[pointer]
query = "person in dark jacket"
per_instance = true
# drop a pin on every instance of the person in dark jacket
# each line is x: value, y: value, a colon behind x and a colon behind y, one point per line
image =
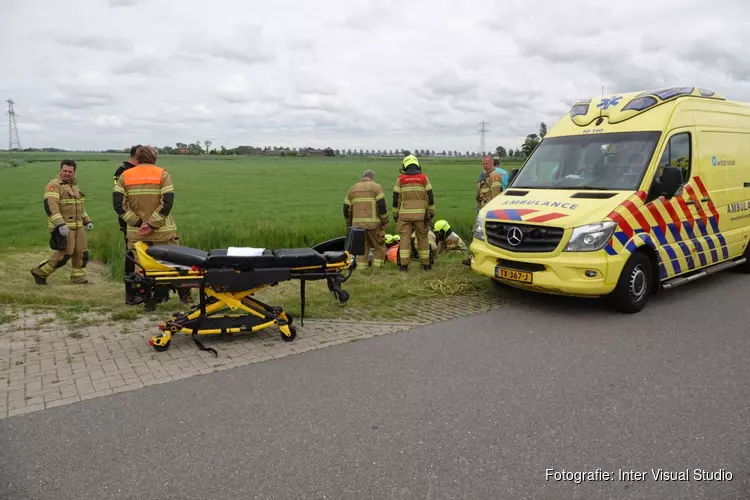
x: 126, y: 165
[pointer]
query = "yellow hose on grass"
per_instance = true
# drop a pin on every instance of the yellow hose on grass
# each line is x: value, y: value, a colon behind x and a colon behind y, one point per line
x: 449, y: 286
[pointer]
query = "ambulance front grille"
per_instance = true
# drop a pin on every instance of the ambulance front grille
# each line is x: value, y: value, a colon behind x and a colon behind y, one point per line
x: 534, y: 238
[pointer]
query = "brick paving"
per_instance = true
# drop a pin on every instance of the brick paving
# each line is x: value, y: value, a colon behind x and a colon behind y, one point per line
x: 45, y: 362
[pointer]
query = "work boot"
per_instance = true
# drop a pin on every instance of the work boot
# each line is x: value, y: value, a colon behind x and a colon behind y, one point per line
x: 39, y: 281
x: 427, y: 267
x: 403, y: 268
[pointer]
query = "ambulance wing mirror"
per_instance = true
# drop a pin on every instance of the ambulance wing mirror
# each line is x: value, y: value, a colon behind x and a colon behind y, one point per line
x: 671, y: 181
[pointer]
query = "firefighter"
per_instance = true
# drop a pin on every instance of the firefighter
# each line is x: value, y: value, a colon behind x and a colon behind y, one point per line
x: 66, y: 216
x: 130, y: 163
x: 413, y: 211
x: 491, y: 184
x: 144, y: 197
x: 447, y: 239
x: 365, y: 208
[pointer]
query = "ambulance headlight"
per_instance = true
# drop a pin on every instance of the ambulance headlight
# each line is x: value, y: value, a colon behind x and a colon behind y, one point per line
x: 479, y: 228
x: 591, y: 237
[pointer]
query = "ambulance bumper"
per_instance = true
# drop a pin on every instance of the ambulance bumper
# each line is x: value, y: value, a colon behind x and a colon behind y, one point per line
x: 580, y: 274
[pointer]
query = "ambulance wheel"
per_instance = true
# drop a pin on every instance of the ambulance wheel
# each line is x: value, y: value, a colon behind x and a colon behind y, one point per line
x: 293, y: 335
x: 744, y: 268
x: 634, y: 286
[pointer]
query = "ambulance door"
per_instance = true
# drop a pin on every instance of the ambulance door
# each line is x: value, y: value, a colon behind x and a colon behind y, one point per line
x: 682, y: 222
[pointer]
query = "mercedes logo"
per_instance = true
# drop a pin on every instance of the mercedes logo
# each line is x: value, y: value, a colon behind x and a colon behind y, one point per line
x: 514, y: 236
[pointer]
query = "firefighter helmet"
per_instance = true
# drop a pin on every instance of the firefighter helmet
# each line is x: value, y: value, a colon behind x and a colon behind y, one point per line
x: 388, y: 239
x: 396, y: 238
x: 442, y: 229
x: 410, y: 161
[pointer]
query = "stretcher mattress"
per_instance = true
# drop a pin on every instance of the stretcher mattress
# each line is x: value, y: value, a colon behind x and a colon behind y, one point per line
x: 220, y: 258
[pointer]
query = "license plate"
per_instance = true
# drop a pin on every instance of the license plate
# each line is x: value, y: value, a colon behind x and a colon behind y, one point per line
x: 512, y: 274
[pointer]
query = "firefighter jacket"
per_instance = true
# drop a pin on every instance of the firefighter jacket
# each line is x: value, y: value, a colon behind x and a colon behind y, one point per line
x: 452, y: 242
x: 413, y: 198
x: 490, y: 186
x: 144, y: 194
x: 431, y: 240
x: 63, y: 204
x: 364, y: 205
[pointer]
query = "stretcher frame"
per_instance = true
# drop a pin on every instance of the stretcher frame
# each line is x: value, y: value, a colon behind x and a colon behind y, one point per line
x: 218, y: 291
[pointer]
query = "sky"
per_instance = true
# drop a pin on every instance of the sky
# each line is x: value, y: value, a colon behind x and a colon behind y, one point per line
x: 385, y: 74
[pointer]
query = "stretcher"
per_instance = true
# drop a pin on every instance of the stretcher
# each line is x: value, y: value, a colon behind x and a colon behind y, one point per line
x: 227, y: 280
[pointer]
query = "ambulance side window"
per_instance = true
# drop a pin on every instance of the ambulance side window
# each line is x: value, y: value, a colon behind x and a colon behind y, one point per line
x: 678, y: 154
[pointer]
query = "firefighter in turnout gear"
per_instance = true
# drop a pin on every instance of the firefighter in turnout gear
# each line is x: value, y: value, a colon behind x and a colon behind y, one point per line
x: 144, y: 196
x: 447, y: 240
x: 66, y: 217
x: 365, y: 208
x: 491, y: 185
x: 126, y: 165
x: 413, y: 210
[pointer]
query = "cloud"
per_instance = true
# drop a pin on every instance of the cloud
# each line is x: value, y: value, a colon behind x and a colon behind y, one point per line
x: 93, y: 42
x: 125, y: 3
x: 350, y: 74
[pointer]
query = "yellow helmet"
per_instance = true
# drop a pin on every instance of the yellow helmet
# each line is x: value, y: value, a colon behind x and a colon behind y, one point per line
x: 396, y: 238
x: 388, y: 239
x: 410, y: 160
x: 442, y: 225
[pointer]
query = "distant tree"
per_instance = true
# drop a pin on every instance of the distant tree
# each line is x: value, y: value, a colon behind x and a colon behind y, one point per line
x: 208, y: 146
x: 223, y: 151
x: 542, y: 130
x: 531, y: 142
x: 511, y: 153
x: 337, y: 152
x: 329, y: 152
x: 501, y: 152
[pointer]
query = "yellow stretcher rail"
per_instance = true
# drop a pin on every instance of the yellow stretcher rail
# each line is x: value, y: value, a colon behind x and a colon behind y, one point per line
x: 227, y: 282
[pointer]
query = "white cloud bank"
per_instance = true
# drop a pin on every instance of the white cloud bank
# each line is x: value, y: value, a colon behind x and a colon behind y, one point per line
x: 347, y: 73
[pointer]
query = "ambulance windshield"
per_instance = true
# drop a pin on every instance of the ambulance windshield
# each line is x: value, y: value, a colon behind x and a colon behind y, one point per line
x: 612, y: 162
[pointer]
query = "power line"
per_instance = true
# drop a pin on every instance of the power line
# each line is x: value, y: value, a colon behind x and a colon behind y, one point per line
x: 13, y: 137
x: 482, y: 134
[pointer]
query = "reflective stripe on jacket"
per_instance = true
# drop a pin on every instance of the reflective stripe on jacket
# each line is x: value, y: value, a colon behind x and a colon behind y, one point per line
x: 63, y: 204
x: 145, y: 194
x: 364, y: 205
x: 413, y: 198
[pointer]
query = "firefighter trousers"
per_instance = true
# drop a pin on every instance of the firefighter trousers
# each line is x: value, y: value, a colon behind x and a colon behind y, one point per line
x: 75, y: 252
x: 375, y: 240
x: 405, y: 228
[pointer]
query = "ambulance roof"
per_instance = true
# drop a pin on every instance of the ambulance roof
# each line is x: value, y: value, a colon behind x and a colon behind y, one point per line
x: 620, y: 107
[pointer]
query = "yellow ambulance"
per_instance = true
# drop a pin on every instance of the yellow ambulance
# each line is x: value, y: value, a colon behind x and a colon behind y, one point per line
x: 626, y: 195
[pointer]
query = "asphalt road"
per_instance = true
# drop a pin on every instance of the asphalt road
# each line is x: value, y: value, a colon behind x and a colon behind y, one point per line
x: 477, y: 408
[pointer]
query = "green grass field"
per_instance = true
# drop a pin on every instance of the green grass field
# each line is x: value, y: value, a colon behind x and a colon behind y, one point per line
x: 270, y: 202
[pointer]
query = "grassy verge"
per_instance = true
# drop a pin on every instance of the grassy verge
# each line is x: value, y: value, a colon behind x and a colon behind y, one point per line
x: 222, y: 202
x: 385, y: 294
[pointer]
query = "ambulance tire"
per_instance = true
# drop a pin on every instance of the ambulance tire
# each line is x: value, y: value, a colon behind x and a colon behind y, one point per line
x: 634, y: 286
x: 744, y: 268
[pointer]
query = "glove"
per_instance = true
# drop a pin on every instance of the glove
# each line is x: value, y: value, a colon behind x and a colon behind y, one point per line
x: 90, y: 226
x: 145, y: 230
x: 63, y: 230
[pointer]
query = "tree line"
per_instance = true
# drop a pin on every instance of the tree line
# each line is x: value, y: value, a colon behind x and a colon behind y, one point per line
x: 204, y: 148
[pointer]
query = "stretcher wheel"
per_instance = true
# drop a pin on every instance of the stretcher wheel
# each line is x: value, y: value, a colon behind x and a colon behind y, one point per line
x: 162, y: 348
x: 290, y: 319
x: 293, y: 335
